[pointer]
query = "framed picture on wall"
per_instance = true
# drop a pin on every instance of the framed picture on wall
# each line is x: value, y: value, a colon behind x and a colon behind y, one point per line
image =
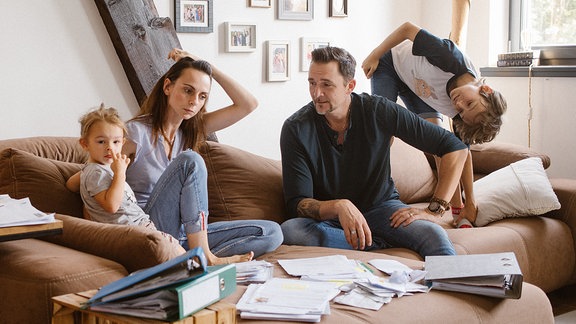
x: 338, y: 8
x: 261, y: 3
x: 240, y: 37
x: 307, y: 45
x: 296, y: 9
x: 193, y: 16
x: 278, y: 60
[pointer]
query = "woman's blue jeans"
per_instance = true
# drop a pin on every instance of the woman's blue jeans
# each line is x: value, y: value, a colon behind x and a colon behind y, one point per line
x: 424, y: 237
x: 179, y: 205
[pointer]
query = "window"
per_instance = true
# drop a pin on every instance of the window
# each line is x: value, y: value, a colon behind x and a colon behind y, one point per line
x: 545, y: 25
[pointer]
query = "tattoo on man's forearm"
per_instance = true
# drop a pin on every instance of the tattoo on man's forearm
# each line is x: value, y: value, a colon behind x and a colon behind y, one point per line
x: 309, y: 208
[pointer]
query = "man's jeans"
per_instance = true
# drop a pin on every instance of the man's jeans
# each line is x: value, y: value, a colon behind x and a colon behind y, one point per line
x: 422, y: 236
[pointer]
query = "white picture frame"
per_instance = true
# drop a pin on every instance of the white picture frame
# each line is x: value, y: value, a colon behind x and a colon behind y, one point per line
x: 307, y: 45
x: 261, y: 3
x: 278, y: 60
x: 295, y: 9
x: 240, y: 37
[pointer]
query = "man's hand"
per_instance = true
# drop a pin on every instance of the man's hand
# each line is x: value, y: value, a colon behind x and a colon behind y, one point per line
x: 405, y: 216
x: 356, y: 229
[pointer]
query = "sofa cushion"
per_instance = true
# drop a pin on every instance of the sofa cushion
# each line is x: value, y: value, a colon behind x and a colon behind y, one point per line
x: 413, y: 176
x: 134, y: 247
x: 520, y: 189
x: 242, y: 185
x: 61, y: 148
x: 23, y: 174
x: 491, y: 156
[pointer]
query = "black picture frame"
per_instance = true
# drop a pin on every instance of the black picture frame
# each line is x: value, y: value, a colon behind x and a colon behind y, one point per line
x: 338, y: 8
x: 193, y: 16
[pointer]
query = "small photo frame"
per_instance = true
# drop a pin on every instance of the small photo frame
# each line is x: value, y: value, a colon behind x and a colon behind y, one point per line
x: 278, y: 60
x: 193, y: 16
x: 307, y: 45
x: 295, y: 9
x: 338, y: 8
x: 261, y: 3
x: 240, y: 37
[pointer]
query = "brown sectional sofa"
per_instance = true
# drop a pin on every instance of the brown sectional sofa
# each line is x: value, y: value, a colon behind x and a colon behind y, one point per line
x: 243, y: 185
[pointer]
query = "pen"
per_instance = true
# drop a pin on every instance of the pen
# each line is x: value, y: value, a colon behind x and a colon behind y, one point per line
x: 365, y: 266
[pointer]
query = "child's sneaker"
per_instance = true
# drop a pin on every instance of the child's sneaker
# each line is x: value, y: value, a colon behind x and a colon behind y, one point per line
x: 463, y: 223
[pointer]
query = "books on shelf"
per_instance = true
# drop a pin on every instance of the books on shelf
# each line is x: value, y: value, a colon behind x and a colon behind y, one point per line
x: 525, y: 58
x: 493, y: 274
x: 172, y: 290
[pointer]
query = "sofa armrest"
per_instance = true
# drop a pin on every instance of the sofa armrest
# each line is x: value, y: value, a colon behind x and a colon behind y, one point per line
x: 489, y: 157
x: 134, y: 247
x: 565, y: 190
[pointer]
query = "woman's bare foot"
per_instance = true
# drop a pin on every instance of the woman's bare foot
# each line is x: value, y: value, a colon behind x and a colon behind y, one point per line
x: 214, y: 260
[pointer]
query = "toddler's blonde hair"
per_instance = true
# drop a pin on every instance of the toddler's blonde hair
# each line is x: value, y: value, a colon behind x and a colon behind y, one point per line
x: 109, y: 115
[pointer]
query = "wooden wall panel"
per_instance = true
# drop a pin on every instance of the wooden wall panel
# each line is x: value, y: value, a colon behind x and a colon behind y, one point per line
x: 142, y: 40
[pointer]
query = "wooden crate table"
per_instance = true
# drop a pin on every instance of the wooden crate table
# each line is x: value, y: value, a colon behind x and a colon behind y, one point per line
x: 68, y: 310
x: 30, y: 231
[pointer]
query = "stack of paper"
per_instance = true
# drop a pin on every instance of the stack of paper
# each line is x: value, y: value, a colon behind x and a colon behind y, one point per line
x: 333, y: 268
x: 360, y: 286
x: 287, y: 299
x: 254, y: 272
x: 17, y: 212
x: 376, y: 291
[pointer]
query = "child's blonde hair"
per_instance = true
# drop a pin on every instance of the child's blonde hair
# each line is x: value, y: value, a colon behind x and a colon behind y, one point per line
x: 109, y: 115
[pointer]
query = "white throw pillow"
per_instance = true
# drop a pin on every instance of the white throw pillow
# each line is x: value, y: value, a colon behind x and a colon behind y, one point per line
x: 519, y: 189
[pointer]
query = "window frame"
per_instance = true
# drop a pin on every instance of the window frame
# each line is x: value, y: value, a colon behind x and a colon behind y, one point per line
x: 517, y: 23
x: 517, y: 10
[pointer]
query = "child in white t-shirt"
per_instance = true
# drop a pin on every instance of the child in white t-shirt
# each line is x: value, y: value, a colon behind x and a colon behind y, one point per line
x: 106, y: 195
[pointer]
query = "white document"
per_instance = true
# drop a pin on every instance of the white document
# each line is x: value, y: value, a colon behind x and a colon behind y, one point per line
x: 362, y: 299
x: 326, y: 266
x: 288, y: 296
x: 390, y: 266
x: 17, y: 212
x: 360, y: 272
x: 281, y: 317
x: 255, y: 271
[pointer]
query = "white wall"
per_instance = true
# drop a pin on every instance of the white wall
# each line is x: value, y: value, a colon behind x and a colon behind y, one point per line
x: 58, y: 61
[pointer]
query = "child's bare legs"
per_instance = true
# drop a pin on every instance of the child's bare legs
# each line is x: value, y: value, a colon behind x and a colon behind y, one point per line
x: 201, y: 239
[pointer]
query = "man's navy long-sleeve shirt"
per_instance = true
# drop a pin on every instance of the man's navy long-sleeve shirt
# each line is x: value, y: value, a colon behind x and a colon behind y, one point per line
x: 315, y: 166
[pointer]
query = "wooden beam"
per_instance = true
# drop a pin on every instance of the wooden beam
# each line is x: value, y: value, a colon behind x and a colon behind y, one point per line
x: 142, y: 41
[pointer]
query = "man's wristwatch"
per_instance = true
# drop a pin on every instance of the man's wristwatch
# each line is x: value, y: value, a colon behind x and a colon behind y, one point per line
x: 438, y: 206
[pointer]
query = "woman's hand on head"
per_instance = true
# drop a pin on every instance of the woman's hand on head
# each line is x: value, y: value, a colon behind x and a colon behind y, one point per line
x: 176, y: 54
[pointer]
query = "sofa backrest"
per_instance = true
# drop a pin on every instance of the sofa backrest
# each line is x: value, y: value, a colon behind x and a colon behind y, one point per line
x: 411, y: 171
x: 38, y: 167
x: 65, y: 149
x: 241, y: 185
